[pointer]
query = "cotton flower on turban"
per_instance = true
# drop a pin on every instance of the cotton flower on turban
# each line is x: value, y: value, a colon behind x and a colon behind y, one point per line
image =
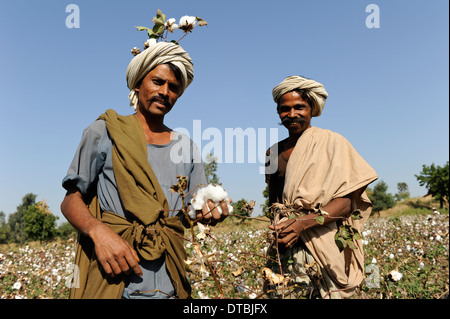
x: 156, y: 54
x: 314, y: 90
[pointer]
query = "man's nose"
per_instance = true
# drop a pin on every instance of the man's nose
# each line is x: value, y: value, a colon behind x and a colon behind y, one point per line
x: 292, y: 113
x: 164, y: 89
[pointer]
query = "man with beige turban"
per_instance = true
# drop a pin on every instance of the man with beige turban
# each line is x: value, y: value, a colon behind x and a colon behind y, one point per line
x: 319, y: 173
x: 118, y: 188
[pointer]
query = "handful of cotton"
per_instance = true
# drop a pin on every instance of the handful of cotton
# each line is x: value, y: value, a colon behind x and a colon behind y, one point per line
x: 213, y: 192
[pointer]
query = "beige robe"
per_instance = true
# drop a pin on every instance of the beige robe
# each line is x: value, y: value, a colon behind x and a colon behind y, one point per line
x: 324, y: 166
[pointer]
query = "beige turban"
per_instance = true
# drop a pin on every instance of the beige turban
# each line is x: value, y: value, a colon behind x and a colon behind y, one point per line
x: 314, y: 90
x: 156, y: 54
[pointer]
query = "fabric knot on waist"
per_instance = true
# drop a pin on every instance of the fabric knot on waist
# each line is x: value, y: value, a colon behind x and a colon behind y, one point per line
x: 140, y: 233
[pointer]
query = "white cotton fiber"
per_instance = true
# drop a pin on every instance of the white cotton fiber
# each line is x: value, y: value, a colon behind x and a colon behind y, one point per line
x: 213, y: 192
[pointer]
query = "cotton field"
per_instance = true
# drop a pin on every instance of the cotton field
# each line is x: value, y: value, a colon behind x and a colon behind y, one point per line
x: 406, y: 257
x: 36, y: 270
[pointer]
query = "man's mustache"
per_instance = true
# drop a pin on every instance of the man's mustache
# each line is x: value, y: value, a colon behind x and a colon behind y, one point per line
x: 290, y: 120
x: 161, y: 100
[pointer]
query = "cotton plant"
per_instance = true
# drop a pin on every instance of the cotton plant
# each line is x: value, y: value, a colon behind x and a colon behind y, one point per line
x: 201, y: 196
x: 162, y: 27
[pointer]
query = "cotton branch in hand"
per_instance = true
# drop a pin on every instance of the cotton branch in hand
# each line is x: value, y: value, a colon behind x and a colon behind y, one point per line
x: 216, y: 193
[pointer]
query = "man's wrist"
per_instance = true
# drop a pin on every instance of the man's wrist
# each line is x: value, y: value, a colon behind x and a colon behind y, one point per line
x: 93, y: 227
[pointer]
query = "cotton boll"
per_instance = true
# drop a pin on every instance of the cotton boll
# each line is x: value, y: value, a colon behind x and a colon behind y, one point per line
x: 230, y: 208
x: 197, y: 202
x: 394, y: 275
x: 213, y: 192
x: 192, y: 213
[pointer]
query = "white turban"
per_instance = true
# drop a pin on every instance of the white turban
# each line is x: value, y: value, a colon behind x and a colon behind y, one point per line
x: 314, y: 90
x: 156, y: 54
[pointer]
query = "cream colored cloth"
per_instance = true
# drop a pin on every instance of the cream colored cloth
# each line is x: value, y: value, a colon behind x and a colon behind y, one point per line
x: 315, y: 91
x: 156, y: 54
x: 324, y: 166
x: 308, y: 279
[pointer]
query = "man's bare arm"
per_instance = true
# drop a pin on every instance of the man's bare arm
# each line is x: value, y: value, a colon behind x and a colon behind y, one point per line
x: 114, y: 254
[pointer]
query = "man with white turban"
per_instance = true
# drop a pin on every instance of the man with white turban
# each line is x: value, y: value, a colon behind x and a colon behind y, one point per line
x: 319, y: 174
x: 118, y: 188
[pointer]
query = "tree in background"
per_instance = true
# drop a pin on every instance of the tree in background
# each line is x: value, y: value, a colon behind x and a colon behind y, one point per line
x: 243, y: 208
x: 435, y: 179
x: 265, y: 206
x: 40, y: 223
x: 15, y: 221
x: 32, y: 221
x: 403, y: 192
x: 66, y: 230
x: 4, y: 229
x: 381, y: 200
x: 211, y: 169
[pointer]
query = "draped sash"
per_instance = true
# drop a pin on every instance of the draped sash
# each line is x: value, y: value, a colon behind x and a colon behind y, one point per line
x: 151, y: 232
x: 324, y: 166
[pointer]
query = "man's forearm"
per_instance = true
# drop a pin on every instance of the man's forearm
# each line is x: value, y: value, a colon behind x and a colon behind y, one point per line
x: 77, y: 213
x: 336, y: 209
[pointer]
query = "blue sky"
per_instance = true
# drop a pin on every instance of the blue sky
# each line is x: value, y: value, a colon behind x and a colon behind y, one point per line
x: 388, y: 86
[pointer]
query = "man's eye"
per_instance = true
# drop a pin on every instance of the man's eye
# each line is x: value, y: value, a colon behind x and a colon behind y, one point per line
x: 175, y: 89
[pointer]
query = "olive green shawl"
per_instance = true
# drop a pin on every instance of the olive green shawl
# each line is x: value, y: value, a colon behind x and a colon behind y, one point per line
x: 152, y: 233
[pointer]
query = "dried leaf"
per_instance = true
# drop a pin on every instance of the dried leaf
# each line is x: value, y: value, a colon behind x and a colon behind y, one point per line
x: 271, y: 277
x: 238, y: 272
x: 201, y: 22
x: 201, y: 236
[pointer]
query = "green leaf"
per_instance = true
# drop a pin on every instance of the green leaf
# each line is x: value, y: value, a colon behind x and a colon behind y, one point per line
x: 158, y: 29
x: 151, y: 34
x: 356, y: 234
x: 341, y: 243
x: 157, y: 22
x: 320, y: 220
x: 161, y: 16
x: 142, y: 28
x: 344, y: 232
x: 351, y: 244
x: 356, y: 215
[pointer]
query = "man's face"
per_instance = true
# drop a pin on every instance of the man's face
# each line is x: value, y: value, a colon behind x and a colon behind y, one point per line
x: 294, y: 112
x: 158, y: 91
